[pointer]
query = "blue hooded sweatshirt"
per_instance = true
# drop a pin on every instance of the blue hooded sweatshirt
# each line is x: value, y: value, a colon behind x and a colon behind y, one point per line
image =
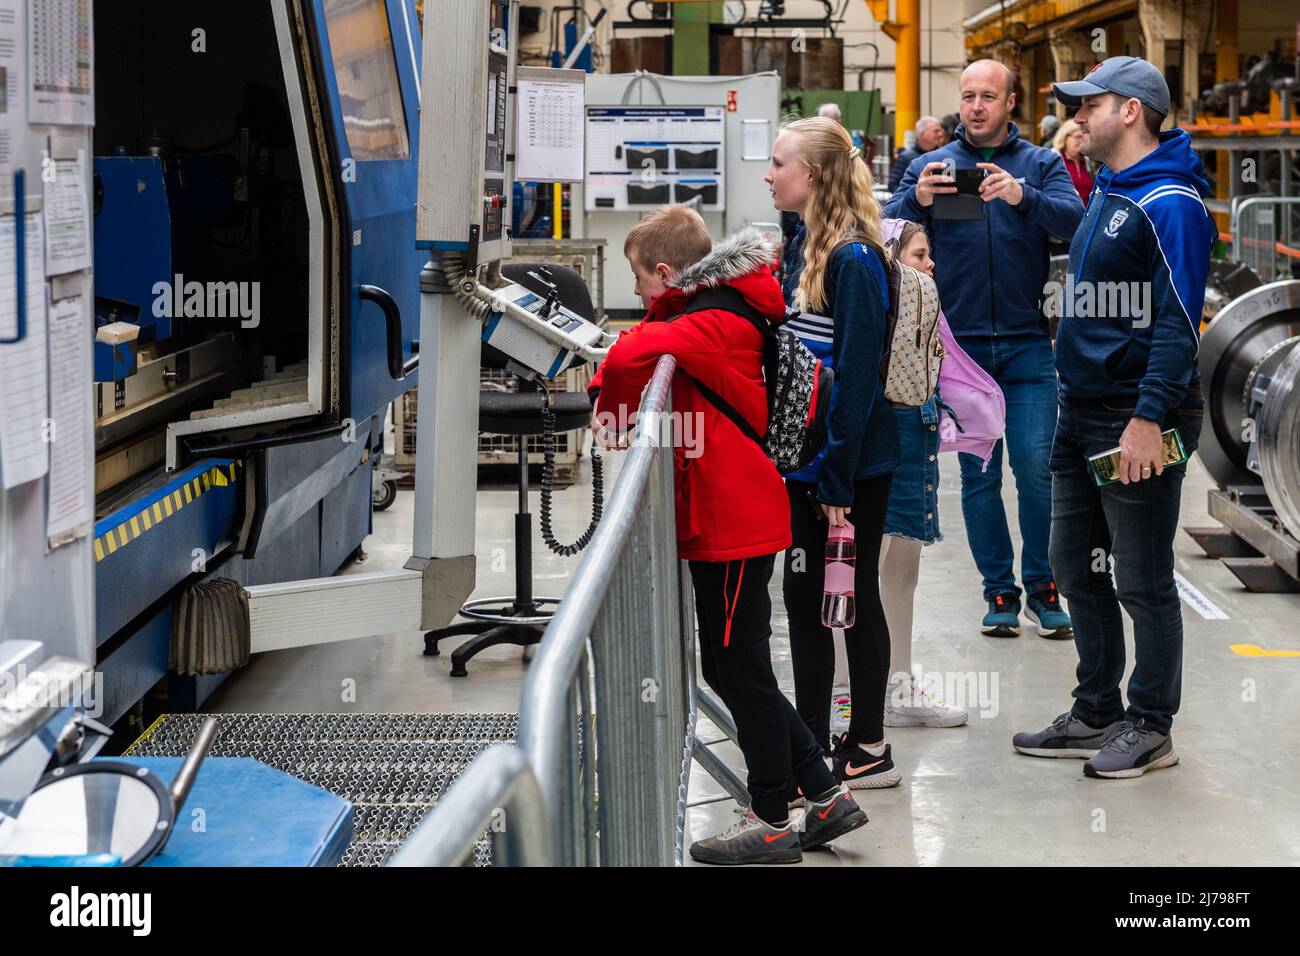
x: 991, y: 272
x: 1131, y: 305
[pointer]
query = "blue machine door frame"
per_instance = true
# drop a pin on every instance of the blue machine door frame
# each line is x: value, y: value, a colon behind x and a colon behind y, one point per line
x: 378, y: 235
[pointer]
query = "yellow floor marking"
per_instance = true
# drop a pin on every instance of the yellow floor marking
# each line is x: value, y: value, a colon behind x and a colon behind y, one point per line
x: 1254, y: 650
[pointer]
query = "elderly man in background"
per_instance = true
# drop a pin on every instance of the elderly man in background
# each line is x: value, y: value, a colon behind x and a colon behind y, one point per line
x: 1047, y: 127
x: 930, y: 135
x: 830, y: 111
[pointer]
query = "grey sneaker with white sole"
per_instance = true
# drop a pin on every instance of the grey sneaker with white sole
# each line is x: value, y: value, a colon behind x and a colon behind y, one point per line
x: 1131, y: 751
x: 1066, y: 737
x: 749, y: 840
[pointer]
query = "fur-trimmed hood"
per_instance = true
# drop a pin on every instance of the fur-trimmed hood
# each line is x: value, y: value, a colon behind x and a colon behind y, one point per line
x: 737, y: 255
x: 743, y: 261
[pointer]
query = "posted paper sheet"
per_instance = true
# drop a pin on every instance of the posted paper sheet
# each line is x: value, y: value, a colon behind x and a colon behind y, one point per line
x: 72, y: 450
x: 67, y: 219
x: 550, y: 122
x: 24, y: 405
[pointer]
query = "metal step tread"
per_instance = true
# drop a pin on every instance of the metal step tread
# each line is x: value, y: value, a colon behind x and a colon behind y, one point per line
x: 392, y: 767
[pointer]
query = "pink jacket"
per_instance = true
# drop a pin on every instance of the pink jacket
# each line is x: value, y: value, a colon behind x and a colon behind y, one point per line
x: 972, y: 411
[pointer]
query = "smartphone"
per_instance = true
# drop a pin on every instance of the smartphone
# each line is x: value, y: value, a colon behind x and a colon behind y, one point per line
x: 968, y: 181
x: 1105, y: 466
x: 966, y: 202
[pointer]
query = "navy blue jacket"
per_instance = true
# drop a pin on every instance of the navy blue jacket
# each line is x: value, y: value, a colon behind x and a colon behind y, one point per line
x: 1131, y: 305
x: 991, y: 272
x: 861, y: 435
x: 901, y: 162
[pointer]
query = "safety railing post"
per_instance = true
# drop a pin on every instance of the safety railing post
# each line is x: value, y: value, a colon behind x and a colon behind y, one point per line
x: 624, y: 646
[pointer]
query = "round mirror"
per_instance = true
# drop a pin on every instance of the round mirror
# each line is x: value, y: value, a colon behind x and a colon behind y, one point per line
x: 103, y: 806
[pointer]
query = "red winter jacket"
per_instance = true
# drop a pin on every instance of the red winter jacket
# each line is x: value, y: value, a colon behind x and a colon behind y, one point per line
x: 731, y: 502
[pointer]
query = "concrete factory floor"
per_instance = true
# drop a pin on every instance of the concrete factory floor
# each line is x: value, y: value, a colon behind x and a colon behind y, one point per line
x: 966, y: 798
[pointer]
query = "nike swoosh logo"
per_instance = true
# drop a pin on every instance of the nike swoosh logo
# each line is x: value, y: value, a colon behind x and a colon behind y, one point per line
x: 823, y: 814
x: 773, y: 839
x: 850, y: 772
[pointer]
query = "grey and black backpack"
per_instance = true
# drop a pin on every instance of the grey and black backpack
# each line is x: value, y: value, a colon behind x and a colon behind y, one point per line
x: 798, y: 386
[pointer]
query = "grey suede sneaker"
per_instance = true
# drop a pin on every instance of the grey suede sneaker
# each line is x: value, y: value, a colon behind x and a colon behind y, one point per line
x: 1131, y: 751
x: 829, y: 819
x: 749, y: 840
x: 1066, y: 737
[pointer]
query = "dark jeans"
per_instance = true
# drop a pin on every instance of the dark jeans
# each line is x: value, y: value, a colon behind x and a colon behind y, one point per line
x: 737, y: 664
x: 812, y: 647
x: 1024, y: 368
x: 1135, y: 524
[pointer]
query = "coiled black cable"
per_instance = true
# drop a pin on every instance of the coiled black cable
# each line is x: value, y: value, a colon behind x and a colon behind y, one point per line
x: 548, y: 484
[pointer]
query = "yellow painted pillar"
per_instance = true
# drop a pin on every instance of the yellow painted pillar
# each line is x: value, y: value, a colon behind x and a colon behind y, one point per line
x: 907, y: 68
x: 905, y: 31
x: 557, y: 212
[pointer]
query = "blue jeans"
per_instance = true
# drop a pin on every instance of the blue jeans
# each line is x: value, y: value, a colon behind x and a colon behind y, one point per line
x: 1135, y: 524
x: 1024, y: 368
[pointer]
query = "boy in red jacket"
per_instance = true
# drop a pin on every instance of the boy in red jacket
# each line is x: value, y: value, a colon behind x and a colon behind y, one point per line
x: 704, y: 307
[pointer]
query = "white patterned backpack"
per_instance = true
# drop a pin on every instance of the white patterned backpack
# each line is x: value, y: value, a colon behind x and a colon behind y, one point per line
x: 911, y: 366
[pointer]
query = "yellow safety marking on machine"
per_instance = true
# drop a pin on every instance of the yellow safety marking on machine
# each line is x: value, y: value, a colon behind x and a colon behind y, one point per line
x: 217, y: 476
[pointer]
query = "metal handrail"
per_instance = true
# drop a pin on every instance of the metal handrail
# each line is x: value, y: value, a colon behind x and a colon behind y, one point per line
x: 1236, y: 215
x: 545, y: 695
x: 498, y: 786
x: 543, y: 790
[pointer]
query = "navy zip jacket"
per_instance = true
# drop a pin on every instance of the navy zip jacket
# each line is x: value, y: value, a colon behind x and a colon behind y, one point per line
x: 991, y: 272
x: 1131, y: 306
x: 861, y: 434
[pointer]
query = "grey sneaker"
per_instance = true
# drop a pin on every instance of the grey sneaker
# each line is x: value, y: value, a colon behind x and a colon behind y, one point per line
x: 749, y: 840
x: 1131, y: 751
x: 1066, y: 737
x: 833, y: 817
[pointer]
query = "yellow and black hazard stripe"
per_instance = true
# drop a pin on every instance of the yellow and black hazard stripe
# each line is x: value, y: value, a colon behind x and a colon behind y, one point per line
x: 176, y: 498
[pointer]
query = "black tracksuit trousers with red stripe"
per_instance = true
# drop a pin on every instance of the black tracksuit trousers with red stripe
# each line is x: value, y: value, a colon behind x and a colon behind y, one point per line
x: 734, y: 612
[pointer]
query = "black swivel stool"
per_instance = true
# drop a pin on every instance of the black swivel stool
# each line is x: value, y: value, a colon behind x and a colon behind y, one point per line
x: 519, y: 619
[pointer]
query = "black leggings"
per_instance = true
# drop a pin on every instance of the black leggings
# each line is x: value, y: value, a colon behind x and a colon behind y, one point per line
x: 812, y: 647
x: 734, y: 611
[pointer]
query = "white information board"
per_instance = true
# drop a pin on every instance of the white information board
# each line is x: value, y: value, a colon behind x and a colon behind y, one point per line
x: 549, y: 124
x: 640, y: 157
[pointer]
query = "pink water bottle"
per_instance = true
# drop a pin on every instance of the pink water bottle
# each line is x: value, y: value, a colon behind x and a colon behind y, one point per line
x: 839, y: 608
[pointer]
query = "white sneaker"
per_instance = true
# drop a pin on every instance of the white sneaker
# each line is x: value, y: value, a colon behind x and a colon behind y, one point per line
x: 906, y: 707
x: 840, y: 711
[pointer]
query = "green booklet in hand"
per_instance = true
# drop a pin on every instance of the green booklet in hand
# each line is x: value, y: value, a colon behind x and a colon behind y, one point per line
x: 1105, y: 466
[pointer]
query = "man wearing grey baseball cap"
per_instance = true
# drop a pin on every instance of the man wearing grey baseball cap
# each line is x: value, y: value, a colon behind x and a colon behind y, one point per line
x: 1130, y: 312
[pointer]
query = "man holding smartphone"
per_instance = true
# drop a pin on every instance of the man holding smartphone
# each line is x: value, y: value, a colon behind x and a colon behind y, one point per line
x: 991, y: 271
x: 1127, y: 364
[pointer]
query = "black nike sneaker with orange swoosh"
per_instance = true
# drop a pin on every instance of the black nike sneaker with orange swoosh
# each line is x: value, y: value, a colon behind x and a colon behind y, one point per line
x: 861, y: 770
x: 825, y: 820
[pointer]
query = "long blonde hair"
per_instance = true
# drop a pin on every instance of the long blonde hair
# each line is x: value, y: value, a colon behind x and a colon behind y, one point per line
x: 841, y: 205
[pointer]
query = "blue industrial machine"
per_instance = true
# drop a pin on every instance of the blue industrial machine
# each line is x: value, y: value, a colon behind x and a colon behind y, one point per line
x: 256, y: 304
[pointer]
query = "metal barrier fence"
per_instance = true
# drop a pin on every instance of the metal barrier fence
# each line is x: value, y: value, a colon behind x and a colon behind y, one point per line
x: 607, y: 720
x: 1262, y: 234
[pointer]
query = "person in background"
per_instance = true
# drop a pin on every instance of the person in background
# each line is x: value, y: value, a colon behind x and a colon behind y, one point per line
x: 1126, y: 377
x: 1047, y: 129
x: 1068, y: 142
x: 991, y: 274
x: 930, y: 135
x: 830, y: 111
x: 911, y: 522
x: 835, y: 279
x: 731, y: 508
x: 950, y: 123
